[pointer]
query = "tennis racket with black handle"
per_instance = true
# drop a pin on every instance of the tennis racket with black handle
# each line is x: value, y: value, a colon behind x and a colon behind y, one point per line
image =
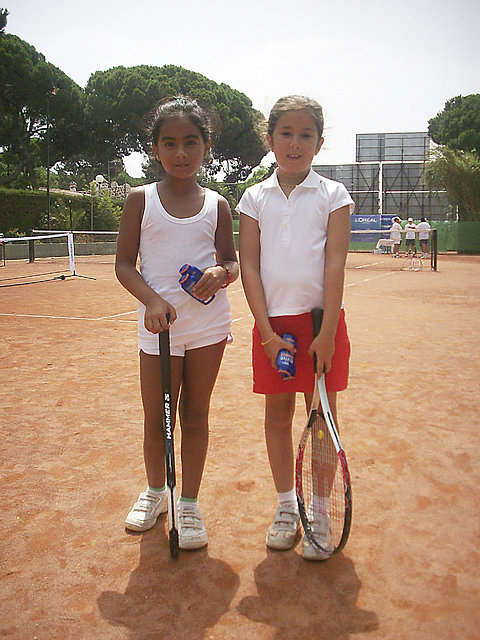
x: 322, y: 478
x: 164, y: 343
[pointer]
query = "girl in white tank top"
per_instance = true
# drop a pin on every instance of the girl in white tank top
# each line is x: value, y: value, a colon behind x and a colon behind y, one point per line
x: 168, y: 224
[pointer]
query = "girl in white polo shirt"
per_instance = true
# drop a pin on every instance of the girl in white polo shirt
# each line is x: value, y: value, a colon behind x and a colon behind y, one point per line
x: 167, y: 224
x: 294, y: 238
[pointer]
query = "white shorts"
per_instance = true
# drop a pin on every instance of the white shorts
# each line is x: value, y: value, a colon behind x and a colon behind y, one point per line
x: 197, y: 325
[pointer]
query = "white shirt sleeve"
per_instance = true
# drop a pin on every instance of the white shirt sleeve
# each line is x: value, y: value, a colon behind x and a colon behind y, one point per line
x: 248, y: 205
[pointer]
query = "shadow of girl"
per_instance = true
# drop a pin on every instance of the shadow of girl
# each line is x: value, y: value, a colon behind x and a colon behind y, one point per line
x: 170, y: 599
x: 308, y: 599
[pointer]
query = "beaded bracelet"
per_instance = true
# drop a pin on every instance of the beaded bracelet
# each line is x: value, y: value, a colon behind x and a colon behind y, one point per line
x: 269, y: 340
x: 229, y: 275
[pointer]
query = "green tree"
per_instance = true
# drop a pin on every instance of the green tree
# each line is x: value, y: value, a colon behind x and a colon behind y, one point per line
x: 458, y: 173
x: 120, y: 100
x: 3, y: 19
x: 458, y: 125
x: 107, y: 214
x: 25, y: 80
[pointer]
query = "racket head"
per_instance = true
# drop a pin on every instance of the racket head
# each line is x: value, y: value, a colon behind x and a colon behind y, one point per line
x: 322, y: 478
x: 323, y: 487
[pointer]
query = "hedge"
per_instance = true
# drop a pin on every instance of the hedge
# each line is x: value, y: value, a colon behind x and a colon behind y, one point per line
x: 21, y: 211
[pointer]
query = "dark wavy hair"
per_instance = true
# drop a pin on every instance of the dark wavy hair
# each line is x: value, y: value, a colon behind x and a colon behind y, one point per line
x: 180, y: 107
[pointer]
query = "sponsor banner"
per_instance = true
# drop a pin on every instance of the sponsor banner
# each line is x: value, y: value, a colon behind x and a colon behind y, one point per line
x: 364, y: 222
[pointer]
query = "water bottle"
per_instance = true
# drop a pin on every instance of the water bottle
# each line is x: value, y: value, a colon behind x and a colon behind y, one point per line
x: 190, y: 275
x: 286, y: 360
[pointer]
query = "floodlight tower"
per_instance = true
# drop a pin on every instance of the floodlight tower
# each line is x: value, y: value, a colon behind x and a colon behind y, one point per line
x: 50, y: 94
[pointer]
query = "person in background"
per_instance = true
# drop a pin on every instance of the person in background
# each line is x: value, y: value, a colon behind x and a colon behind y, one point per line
x: 410, y: 229
x: 424, y: 230
x: 396, y: 236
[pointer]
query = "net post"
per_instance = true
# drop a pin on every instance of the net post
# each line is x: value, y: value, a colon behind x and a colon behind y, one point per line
x: 434, y: 251
x: 31, y: 250
x: 71, y: 253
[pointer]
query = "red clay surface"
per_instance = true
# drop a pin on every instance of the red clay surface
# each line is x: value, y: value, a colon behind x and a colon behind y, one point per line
x: 71, y: 451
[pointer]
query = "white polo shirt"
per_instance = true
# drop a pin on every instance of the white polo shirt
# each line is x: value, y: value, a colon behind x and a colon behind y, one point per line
x: 423, y: 229
x: 293, y: 234
x: 395, y: 232
x: 410, y: 229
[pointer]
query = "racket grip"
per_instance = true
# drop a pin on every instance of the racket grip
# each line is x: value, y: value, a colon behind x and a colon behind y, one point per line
x: 317, y: 317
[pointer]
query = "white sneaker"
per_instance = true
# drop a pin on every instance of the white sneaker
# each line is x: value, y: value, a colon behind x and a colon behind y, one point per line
x: 191, y: 530
x: 321, y: 528
x: 283, y: 531
x: 145, y: 511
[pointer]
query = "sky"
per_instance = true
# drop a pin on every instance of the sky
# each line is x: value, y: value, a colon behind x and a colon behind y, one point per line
x: 375, y: 66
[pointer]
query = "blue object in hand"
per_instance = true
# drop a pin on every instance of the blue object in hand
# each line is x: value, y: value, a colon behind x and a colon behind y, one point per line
x: 286, y: 360
x: 190, y: 275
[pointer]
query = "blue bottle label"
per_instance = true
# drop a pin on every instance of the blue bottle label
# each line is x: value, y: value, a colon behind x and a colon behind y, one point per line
x: 286, y: 360
x: 190, y: 275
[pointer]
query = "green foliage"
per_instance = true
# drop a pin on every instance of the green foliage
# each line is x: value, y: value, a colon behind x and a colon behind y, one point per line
x: 124, y: 178
x: 108, y: 212
x: 120, y: 100
x: 233, y: 191
x: 3, y: 20
x: 65, y: 216
x: 22, y: 211
x: 91, y: 128
x: 25, y: 81
x: 458, y: 173
x: 262, y: 173
x: 458, y: 125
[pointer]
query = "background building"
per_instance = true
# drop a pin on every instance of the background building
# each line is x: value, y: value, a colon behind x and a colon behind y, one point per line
x: 388, y: 177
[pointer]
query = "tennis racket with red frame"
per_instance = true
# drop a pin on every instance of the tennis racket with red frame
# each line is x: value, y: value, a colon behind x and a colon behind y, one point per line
x: 322, y: 478
x: 164, y: 344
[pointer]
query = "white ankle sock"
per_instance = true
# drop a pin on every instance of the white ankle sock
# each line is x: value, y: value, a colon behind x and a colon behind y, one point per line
x: 289, y: 498
x: 156, y: 493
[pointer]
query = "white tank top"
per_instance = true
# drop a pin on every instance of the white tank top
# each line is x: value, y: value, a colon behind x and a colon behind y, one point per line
x: 167, y: 243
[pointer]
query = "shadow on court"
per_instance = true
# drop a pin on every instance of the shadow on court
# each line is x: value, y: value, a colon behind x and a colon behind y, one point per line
x: 170, y: 599
x: 308, y: 599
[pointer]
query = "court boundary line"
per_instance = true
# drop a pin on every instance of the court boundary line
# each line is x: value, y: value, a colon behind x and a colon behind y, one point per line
x: 112, y: 318
x: 116, y: 316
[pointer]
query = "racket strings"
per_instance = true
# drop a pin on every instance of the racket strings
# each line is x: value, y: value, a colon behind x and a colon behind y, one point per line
x: 323, y: 482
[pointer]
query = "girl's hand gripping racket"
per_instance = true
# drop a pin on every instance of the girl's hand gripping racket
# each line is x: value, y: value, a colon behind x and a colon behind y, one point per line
x: 323, y: 488
x: 164, y: 343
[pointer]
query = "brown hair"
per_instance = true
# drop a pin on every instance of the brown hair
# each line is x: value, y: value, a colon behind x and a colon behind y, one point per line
x: 295, y: 103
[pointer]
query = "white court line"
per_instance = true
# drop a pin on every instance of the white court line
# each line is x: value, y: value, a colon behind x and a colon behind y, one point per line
x: 364, y: 266
x: 116, y: 315
x: 126, y: 313
x: 28, y: 315
x: 249, y: 315
x: 383, y: 275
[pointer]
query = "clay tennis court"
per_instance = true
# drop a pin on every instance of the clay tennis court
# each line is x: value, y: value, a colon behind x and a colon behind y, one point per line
x: 71, y: 422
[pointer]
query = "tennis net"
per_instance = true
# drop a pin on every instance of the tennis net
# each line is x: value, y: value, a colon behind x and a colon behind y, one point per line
x: 377, y: 249
x: 92, y: 246
x: 36, y: 258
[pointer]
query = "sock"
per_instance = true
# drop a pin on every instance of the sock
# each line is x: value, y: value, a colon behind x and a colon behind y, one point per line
x: 183, y: 502
x: 155, y: 493
x: 320, y: 504
x: 288, y: 499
